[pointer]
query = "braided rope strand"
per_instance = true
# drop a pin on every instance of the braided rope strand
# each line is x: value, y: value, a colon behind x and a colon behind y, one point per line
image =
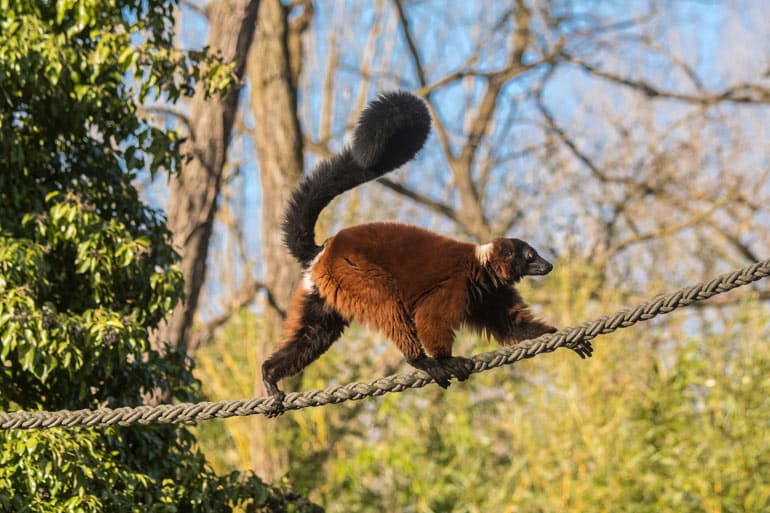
x: 568, y: 337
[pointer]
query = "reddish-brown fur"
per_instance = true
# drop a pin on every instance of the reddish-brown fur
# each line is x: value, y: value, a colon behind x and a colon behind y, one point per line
x: 414, y: 286
x: 398, y: 279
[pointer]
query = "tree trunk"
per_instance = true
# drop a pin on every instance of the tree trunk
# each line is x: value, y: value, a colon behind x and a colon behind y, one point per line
x: 194, y: 192
x: 278, y: 139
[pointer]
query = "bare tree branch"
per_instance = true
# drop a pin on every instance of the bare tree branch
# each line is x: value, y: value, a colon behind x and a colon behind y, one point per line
x: 438, y: 124
x: 410, y: 43
x: 194, y: 191
x: 296, y: 28
x: 328, y: 89
x: 567, y: 141
x: 368, y: 59
x: 435, y: 206
x: 165, y: 110
x: 665, y: 231
x: 733, y: 240
x: 241, y: 299
x: 199, y: 9
x: 739, y: 93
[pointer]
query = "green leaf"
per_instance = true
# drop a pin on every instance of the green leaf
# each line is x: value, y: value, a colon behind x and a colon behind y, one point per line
x: 76, y: 304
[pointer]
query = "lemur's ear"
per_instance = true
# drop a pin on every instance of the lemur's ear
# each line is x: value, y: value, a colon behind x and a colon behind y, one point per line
x: 500, y: 258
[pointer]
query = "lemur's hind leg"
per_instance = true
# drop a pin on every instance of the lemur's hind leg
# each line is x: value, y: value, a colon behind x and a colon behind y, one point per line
x: 310, y: 330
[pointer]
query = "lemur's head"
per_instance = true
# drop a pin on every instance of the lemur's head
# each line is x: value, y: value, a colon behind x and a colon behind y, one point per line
x: 512, y: 259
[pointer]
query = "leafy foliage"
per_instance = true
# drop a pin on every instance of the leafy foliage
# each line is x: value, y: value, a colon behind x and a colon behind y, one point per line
x: 86, y: 272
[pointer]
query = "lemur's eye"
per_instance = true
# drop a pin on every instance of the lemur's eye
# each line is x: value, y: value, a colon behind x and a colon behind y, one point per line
x: 529, y: 255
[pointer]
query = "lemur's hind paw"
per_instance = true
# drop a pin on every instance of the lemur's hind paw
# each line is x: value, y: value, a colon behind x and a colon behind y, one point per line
x: 277, y: 411
x: 275, y: 393
x: 583, y: 348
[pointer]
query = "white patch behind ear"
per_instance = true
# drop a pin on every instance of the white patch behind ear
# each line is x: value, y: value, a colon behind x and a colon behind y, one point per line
x: 307, y: 280
x: 484, y: 252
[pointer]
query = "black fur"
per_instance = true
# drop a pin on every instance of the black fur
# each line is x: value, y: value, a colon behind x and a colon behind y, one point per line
x: 491, y: 312
x: 319, y: 327
x: 390, y: 131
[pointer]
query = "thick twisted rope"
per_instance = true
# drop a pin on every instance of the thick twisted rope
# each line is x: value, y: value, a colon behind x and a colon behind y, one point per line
x: 569, y: 337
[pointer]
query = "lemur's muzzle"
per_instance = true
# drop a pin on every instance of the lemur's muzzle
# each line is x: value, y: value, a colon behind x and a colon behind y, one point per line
x: 539, y: 267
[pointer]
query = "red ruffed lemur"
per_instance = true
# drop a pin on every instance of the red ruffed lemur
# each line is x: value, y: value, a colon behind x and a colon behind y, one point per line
x: 415, y: 286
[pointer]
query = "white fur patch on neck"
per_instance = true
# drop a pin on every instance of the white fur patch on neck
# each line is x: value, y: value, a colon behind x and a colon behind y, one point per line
x: 307, y: 279
x: 484, y: 252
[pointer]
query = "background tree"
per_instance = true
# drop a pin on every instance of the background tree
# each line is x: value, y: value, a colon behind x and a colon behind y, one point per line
x: 86, y: 270
x: 195, y: 191
x: 274, y: 65
x: 274, y: 68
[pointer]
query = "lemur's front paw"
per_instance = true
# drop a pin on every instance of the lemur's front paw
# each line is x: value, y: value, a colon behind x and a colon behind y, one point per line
x: 440, y: 374
x: 442, y: 370
x: 460, y: 367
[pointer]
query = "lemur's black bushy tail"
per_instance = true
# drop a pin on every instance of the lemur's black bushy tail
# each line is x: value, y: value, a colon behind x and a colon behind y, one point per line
x: 389, y: 132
